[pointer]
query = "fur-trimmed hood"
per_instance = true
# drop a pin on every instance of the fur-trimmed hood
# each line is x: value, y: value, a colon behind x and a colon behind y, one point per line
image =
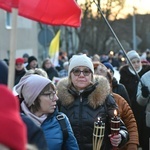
x: 100, y: 87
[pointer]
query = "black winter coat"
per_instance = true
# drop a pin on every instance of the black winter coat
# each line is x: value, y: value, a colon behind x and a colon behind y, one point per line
x: 19, y: 75
x: 120, y: 89
x: 84, y: 108
x: 51, y: 72
x: 130, y: 81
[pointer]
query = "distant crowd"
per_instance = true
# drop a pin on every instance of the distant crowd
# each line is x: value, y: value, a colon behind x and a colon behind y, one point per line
x: 55, y: 107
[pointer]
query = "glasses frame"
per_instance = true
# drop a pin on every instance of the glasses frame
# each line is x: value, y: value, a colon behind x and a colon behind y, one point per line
x: 51, y: 94
x: 85, y: 71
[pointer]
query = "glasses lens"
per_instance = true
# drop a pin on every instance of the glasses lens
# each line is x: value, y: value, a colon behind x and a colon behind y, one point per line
x: 51, y: 94
x: 85, y: 72
x: 76, y: 72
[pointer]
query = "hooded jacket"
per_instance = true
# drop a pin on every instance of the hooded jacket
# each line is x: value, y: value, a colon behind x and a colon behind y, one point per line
x: 83, y: 109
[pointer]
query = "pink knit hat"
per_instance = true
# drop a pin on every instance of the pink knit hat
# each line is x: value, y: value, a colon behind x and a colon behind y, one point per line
x: 30, y: 86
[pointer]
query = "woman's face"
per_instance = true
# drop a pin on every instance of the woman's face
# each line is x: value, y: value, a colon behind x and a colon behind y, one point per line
x: 48, y: 102
x: 48, y: 64
x: 136, y: 63
x: 81, y: 77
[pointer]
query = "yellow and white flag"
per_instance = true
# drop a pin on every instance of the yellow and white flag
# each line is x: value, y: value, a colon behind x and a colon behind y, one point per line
x: 54, y: 49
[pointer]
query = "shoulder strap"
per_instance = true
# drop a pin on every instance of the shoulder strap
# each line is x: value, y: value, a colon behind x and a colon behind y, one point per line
x: 61, y: 120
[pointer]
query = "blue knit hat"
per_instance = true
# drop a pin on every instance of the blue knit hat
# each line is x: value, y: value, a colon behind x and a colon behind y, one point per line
x: 109, y: 66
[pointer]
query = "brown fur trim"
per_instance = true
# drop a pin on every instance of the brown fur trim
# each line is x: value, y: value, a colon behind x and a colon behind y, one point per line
x: 96, y: 98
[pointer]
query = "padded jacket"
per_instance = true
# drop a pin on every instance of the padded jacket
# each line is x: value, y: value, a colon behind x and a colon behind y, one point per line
x: 54, y: 135
x: 127, y: 116
x: 84, y: 108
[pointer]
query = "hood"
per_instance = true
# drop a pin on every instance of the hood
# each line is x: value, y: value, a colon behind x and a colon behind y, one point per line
x: 101, y: 89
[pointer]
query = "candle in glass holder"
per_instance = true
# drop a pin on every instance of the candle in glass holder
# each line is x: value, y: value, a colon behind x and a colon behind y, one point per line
x: 115, y: 124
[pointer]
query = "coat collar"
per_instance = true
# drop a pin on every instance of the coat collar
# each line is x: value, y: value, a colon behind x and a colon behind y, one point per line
x: 98, y: 91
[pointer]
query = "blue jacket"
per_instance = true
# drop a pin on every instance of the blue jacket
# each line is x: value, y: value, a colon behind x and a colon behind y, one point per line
x: 54, y: 136
x: 35, y: 134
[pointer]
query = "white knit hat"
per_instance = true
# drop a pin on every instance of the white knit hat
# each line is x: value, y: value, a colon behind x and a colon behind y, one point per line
x: 133, y: 54
x: 30, y: 87
x: 80, y: 60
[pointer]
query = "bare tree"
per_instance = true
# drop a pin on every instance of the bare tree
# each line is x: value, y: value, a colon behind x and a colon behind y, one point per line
x: 94, y: 31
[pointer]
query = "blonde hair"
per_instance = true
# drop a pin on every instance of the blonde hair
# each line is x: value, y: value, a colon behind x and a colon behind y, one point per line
x: 38, y: 71
x: 101, y: 70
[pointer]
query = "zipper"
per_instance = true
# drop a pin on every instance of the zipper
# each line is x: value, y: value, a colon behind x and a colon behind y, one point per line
x: 80, y: 117
x: 80, y: 98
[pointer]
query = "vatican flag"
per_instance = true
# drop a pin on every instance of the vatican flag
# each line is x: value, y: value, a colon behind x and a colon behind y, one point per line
x: 54, y: 49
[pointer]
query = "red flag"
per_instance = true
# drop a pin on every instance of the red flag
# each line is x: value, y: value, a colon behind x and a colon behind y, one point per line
x: 53, y: 12
x: 14, y: 3
x: 8, y: 4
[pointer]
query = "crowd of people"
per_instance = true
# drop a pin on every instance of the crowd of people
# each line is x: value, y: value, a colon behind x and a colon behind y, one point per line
x: 61, y: 114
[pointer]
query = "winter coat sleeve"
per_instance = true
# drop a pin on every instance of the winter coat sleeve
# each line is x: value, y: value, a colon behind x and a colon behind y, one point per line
x: 71, y: 142
x: 123, y: 130
x: 146, y: 82
x: 127, y: 116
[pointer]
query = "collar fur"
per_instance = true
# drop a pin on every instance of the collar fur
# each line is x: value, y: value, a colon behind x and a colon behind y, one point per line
x: 96, y: 98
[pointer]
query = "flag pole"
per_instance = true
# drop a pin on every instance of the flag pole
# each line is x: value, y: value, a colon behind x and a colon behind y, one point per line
x: 99, y: 9
x: 13, y: 35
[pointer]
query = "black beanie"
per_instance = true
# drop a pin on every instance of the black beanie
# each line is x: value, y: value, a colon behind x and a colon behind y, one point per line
x: 31, y: 58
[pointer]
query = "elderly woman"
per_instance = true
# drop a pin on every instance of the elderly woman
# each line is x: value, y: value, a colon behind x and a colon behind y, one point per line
x: 85, y: 97
x: 130, y: 80
x: 39, y: 103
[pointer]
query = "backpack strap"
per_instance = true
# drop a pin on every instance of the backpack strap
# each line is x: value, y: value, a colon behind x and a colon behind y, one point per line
x: 61, y: 119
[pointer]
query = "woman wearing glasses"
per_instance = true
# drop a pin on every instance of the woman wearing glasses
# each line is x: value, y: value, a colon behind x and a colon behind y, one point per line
x: 85, y: 97
x: 39, y: 103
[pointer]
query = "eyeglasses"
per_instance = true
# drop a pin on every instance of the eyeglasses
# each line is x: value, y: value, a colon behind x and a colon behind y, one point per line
x: 77, y: 71
x: 51, y: 94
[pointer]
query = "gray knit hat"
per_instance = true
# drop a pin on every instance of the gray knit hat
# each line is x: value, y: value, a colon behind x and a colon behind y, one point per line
x: 30, y: 86
x: 80, y: 60
x: 133, y: 54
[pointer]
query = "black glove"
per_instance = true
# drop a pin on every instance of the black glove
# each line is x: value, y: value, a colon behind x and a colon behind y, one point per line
x: 145, y: 91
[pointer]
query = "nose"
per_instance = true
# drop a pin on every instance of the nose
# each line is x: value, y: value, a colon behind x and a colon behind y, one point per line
x: 81, y: 73
x: 55, y: 97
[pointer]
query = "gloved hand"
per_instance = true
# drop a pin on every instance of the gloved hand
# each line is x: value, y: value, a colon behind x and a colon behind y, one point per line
x: 145, y: 91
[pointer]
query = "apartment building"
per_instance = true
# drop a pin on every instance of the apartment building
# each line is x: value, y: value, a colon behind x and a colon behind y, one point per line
x: 26, y: 36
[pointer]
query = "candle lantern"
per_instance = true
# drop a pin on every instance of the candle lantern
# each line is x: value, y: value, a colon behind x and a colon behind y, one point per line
x: 98, y: 134
x: 115, y: 125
